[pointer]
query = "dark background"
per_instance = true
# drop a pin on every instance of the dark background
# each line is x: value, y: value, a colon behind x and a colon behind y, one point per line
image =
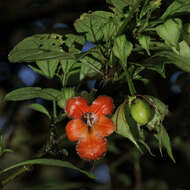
x: 25, y: 131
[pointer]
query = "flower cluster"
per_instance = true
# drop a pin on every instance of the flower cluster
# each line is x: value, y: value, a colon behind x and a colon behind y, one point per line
x: 89, y: 125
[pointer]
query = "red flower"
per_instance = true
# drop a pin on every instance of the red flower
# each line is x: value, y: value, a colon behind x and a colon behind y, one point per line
x: 89, y: 125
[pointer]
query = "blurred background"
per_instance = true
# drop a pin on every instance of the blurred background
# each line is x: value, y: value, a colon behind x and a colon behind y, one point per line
x: 26, y: 131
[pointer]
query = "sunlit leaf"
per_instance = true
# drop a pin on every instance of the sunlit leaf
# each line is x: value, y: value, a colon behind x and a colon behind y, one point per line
x: 170, y: 31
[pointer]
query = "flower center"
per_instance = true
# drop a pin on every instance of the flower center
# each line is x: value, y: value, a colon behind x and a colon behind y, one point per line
x: 89, y: 118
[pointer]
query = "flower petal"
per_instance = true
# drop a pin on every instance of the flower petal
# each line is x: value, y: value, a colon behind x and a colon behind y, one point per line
x: 76, y: 130
x: 92, y: 148
x: 104, y: 127
x: 76, y: 106
x: 102, y: 105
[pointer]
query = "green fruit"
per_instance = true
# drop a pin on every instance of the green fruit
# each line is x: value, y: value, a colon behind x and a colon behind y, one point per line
x: 141, y: 111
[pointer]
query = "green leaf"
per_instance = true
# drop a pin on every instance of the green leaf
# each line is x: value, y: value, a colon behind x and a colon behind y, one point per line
x: 177, y: 7
x: 67, y: 65
x: 160, y: 111
x: 49, y: 94
x: 144, y: 41
x: 92, y: 24
x: 36, y: 70
x: 48, y: 162
x: 91, y: 65
x: 48, y: 67
x: 173, y: 58
x: 40, y: 108
x: 28, y: 93
x: 66, y: 93
x: 122, y: 49
x: 125, y: 125
x: 109, y: 31
x: 25, y: 93
x: 159, y: 68
x: 164, y: 141
x: 74, y: 41
x: 170, y: 31
x: 184, y: 49
x: 119, y: 4
x: 39, y: 47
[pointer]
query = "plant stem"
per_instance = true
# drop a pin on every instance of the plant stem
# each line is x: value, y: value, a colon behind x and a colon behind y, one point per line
x: 54, y: 110
x: 130, y: 82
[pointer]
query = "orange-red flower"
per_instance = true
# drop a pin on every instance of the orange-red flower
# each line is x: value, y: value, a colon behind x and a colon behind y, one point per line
x: 90, y: 125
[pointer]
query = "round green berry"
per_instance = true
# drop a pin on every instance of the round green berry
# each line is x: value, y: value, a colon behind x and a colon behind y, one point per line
x: 141, y: 111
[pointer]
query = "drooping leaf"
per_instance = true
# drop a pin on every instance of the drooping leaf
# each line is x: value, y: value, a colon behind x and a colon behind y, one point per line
x: 40, y: 108
x: 48, y: 162
x: 164, y: 140
x: 125, y: 126
x: 92, y: 24
x: 48, y: 67
x: 180, y: 61
x: 160, y: 111
x: 177, y: 7
x: 25, y: 93
x: 122, y: 49
x: 159, y: 68
x: 170, y: 31
x: 39, y: 47
x: 144, y: 41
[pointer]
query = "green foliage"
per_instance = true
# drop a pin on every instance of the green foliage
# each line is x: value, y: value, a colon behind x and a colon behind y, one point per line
x: 39, y: 47
x: 28, y: 93
x: 177, y: 7
x: 49, y: 162
x: 144, y: 41
x: 65, y: 95
x: 125, y: 126
x: 92, y: 24
x: 39, y: 108
x: 122, y: 49
x: 128, y: 39
x: 170, y: 31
